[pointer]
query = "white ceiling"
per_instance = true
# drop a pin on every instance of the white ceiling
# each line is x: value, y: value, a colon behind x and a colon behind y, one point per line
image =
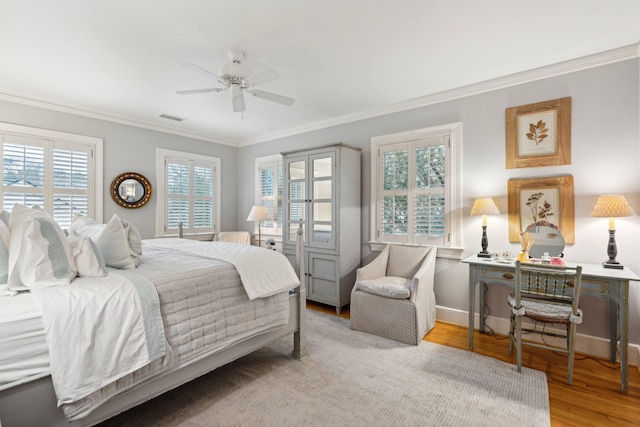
x: 340, y: 59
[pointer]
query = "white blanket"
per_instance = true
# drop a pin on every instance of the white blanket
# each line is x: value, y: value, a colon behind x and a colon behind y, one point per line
x: 263, y: 272
x: 116, y: 327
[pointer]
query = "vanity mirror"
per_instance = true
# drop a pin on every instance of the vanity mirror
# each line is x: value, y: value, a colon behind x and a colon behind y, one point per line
x: 131, y: 190
x: 546, y: 238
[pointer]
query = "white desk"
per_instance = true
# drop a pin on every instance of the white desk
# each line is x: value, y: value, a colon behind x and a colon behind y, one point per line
x: 601, y: 282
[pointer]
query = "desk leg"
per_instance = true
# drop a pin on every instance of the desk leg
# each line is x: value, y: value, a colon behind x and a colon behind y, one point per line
x: 614, y: 316
x: 623, y: 316
x: 472, y: 291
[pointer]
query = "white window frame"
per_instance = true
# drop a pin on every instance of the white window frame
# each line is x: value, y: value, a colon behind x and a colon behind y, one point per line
x: 66, y: 140
x: 452, y: 247
x: 162, y: 155
x: 259, y: 164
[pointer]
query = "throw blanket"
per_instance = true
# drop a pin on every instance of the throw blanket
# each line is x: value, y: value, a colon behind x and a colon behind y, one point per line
x: 263, y: 272
x: 116, y: 328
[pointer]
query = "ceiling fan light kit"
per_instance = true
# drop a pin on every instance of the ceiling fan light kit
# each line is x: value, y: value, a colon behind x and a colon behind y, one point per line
x: 239, y: 79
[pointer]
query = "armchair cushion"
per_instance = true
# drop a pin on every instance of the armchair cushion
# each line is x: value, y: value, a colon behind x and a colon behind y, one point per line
x: 388, y: 286
x: 404, y: 261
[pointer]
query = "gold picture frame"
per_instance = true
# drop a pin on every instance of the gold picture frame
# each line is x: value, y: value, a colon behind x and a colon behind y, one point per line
x: 539, y: 134
x: 541, y: 200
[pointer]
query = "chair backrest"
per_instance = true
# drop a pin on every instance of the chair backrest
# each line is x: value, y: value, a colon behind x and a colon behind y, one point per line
x: 541, y: 282
x: 405, y: 261
x: 234, y: 237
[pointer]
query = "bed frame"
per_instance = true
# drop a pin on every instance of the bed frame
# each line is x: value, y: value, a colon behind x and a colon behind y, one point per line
x: 34, y: 403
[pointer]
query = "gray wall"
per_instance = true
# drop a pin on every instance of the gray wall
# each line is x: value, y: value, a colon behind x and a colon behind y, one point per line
x: 133, y: 149
x: 605, y: 159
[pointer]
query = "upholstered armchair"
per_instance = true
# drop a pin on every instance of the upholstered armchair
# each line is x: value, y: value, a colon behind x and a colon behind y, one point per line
x: 234, y: 237
x: 393, y: 295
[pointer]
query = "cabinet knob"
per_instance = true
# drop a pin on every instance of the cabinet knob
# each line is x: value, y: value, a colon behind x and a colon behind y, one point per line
x: 508, y: 276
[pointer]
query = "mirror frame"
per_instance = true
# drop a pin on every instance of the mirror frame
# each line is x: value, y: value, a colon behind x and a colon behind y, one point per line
x: 115, y: 186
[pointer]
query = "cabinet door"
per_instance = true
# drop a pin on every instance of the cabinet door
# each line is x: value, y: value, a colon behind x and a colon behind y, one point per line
x: 296, y: 197
x: 323, y: 278
x: 322, y: 209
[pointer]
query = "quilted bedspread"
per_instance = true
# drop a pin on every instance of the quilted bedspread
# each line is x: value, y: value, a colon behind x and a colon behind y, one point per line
x: 204, y: 309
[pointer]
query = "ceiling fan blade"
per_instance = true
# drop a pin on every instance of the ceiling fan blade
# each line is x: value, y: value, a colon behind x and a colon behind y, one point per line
x: 262, y: 77
x: 194, y: 91
x: 201, y: 70
x: 280, y: 99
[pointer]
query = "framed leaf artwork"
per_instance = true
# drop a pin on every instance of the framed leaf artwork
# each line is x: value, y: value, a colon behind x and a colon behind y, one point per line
x: 541, y: 200
x: 539, y: 134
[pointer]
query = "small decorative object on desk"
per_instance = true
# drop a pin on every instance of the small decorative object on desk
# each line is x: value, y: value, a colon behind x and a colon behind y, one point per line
x: 271, y: 244
x: 527, y: 242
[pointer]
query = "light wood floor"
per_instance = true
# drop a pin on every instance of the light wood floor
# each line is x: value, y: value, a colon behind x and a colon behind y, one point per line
x: 594, y: 399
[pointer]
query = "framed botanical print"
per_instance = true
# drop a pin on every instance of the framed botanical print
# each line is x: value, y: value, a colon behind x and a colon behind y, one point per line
x: 541, y: 200
x: 539, y: 134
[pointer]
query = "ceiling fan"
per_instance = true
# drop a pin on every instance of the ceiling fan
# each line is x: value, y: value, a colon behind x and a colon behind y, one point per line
x: 239, y: 79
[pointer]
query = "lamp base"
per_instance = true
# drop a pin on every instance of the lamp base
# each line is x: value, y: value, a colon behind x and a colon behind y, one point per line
x: 614, y: 264
x: 484, y: 254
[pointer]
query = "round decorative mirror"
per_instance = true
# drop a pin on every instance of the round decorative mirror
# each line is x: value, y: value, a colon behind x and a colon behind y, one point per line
x: 131, y: 190
x: 546, y: 238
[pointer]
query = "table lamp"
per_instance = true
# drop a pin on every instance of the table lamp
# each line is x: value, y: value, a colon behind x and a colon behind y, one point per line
x: 484, y: 207
x: 259, y: 213
x: 612, y: 206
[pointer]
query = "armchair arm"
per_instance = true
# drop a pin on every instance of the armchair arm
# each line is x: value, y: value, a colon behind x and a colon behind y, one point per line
x: 423, y: 296
x: 422, y: 281
x: 376, y: 268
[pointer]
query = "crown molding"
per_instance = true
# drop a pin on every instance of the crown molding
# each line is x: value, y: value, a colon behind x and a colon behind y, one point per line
x: 596, y: 60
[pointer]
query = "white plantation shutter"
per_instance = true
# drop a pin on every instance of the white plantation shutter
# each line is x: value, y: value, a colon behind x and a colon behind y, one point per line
x: 412, y: 191
x: 70, y: 183
x: 269, y: 193
x: 190, y: 195
x: 429, y: 205
x: 56, y: 175
x: 203, y: 197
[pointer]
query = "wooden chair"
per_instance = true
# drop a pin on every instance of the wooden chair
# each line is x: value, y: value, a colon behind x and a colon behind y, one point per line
x: 549, y: 295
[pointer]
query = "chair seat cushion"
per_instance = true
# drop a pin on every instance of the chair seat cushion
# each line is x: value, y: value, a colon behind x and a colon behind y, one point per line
x: 387, y: 286
x: 546, y: 310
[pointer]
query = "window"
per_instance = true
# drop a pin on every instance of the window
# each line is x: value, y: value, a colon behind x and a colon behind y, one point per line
x: 269, y: 192
x: 189, y: 193
x: 54, y: 170
x: 414, y: 191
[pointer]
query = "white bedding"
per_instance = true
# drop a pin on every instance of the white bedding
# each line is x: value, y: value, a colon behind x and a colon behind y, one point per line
x: 204, y: 309
x: 263, y: 273
x: 116, y: 326
x: 23, y: 349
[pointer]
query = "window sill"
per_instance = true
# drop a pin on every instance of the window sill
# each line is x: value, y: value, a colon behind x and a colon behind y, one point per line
x: 443, y: 252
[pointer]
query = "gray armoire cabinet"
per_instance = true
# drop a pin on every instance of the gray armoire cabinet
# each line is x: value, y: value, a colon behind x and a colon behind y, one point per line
x: 322, y: 193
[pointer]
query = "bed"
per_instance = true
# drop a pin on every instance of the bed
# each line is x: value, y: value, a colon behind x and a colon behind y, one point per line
x: 208, y: 317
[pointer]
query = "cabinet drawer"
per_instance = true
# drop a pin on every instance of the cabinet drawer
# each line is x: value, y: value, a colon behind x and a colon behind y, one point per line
x: 496, y: 275
x: 595, y: 287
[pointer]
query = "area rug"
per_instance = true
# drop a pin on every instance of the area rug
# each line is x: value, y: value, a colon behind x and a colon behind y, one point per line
x: 352, y: 378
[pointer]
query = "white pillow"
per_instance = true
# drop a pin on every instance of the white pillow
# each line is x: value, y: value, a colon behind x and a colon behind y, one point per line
x: 122, y: 240
x: 5, y: 238
x: 133, y: 241
x: 113, y: 245
x: 86, y: 256
x: 86, y: 226
x: 39, y: 254
x: 4, y: 217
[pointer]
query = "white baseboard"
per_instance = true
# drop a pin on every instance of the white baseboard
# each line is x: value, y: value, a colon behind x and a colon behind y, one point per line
x: 585, y: 344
